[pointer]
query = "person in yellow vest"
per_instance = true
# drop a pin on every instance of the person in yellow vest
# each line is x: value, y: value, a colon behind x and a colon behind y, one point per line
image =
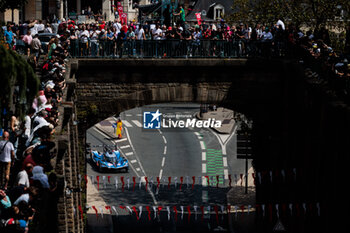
x: 119, y: 128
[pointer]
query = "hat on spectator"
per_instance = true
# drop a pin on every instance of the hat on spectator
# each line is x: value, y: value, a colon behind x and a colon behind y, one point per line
x: 170, y: 28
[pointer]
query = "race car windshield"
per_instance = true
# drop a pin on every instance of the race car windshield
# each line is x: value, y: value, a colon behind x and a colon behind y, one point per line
x: 111, y: 159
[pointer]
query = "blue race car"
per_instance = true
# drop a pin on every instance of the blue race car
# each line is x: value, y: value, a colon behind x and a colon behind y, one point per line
x: 109, y: 160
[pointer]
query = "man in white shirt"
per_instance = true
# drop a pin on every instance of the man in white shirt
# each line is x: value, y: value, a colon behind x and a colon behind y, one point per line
x: 157, y: 33
x: 23, y: 176
x: 117, y: 25
x: 28, y: 123
x: 140, y: 33
x: 40, y: 26
x: 7, y: 156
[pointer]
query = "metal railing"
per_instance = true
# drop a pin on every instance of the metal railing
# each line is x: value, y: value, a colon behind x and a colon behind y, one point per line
x: 176, y: 48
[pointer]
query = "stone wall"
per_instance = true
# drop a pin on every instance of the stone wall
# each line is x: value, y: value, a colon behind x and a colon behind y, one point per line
x: 117, y: 85
x: 68, y: 167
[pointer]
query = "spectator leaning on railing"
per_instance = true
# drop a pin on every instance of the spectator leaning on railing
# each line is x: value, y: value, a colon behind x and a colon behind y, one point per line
x: 25, y: 189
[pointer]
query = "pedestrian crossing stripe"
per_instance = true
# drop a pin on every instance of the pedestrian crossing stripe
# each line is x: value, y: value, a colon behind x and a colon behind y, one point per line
x: 137, y: 123
x: 126, y: 123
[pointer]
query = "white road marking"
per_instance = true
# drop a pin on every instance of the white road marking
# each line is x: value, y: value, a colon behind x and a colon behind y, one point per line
x: 226, y: 174
x: 160, y: 173
x: 163, y: 161
x: 223, y: 145
x: 121, y: 140
x: 137, y: 123
x: 126, y: 123
x: 133, y: 161
x: 204, y: 181
x: 204, y: 168
x: 139, y: 114
x: 159, y: 131
x: 164, y: 139
x: 129, y: 153
x: 128, y: 115
x: 196, y: 133
x: 224, y: 159
x: 138, y: 169
x: 124, y: 147
x: 164, y: 152
x: 202, y: 145
x: 204, y: 156
x: 205, y: 196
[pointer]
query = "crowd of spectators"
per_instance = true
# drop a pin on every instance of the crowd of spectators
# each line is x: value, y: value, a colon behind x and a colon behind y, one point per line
x: 325, y: 63
x: 27, y: 180
x: 152, y: 39
x: 29, y: 187
x: 159, y: 40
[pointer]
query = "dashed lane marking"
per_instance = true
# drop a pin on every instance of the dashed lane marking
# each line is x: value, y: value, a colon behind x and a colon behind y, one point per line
x: 226, y: 174
x: 124, y: 147
x: 204, y: 168
x: 164, y: 139
x: 224, y: 159
x: 202, y: 145
x: 204, y: 156
x: 160, y: 173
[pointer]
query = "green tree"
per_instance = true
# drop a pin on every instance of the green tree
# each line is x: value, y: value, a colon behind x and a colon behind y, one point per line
x: 15, y: 71
x: 313, y: 13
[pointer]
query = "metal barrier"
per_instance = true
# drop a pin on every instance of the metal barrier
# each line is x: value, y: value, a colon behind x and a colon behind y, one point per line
x: 176, y: 48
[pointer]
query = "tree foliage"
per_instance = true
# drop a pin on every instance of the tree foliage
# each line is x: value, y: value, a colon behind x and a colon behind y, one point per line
x: 313, y: 13
x: 15, y: 71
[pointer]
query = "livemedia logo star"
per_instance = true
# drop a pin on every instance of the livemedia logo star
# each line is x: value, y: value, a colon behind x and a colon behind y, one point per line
x: 151, y: 120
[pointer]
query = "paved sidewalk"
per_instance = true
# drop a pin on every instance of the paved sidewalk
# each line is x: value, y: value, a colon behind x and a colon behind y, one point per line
x: 106, y: 126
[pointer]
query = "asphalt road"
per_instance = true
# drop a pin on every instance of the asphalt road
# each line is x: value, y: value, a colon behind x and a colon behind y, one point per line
x: 164, y: 153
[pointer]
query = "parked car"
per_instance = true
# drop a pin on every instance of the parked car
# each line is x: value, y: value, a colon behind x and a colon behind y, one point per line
x: 45, y: 39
